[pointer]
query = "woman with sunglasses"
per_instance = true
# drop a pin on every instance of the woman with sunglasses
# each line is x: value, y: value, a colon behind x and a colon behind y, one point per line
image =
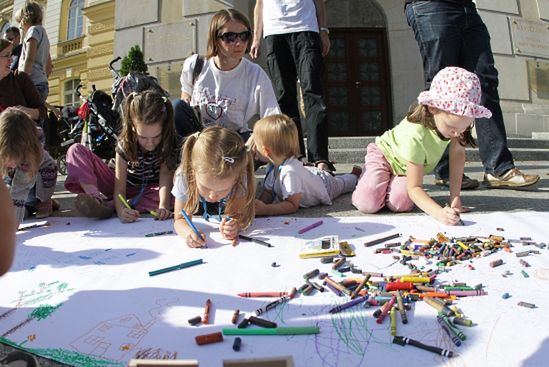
x: 228, y: 90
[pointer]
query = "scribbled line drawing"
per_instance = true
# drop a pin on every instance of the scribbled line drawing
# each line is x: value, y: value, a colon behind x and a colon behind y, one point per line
x: 115, y: 338
x: 154, y: 353
x: 44, y: 292
x: 40, y: 313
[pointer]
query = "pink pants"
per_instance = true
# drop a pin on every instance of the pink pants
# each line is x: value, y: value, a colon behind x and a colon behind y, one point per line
x: 83, y: 166
x: 379, y: 187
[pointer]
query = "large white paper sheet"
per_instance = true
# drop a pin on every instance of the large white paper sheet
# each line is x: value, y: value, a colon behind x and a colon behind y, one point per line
x: 80, y: 293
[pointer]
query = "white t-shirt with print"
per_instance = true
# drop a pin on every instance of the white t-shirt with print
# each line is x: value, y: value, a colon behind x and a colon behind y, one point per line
x: 233, y: 98
x: 293, y: 178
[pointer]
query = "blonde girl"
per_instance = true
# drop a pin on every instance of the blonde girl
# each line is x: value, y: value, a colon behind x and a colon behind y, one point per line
x: 289, y: 184
x: 398, y: 160
x: 216, y: 179
x: 25, y: 163
x: 142, y: 171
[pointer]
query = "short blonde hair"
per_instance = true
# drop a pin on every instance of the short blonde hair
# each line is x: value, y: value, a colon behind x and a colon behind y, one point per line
x: 30, y: 14
x: 279, y: 134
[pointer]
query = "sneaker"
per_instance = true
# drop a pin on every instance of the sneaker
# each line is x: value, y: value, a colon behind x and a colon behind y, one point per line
x: 92, y: 207
x: 19, y: 359
x: 467, y: 183
x: 512, y: 178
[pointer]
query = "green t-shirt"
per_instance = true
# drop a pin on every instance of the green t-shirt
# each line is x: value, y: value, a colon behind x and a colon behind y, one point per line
x: 410, y: 142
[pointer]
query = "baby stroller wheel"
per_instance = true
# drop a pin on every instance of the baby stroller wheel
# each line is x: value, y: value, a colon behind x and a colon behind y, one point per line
x: 62, y: 164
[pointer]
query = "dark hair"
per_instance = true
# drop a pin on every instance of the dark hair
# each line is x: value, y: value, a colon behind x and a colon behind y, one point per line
x: 4, y: 43
x: 420, y: 114
x: 218, y: 21
x: 149, y: 107
x: 13, y: 29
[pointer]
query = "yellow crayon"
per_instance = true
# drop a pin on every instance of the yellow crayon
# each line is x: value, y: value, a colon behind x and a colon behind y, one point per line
x: 415, y: 279
x: 462, y: 245
x: 124, y: 201
x: 393, y: 317
x: 153, y: 213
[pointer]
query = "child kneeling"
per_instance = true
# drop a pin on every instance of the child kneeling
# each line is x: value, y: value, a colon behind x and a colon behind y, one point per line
x: 289, y: 184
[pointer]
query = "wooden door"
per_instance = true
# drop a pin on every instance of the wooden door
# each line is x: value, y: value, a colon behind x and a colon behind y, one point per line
x: 357, y: 87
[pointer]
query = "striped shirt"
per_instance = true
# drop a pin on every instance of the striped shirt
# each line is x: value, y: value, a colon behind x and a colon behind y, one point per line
x: 144, y: 172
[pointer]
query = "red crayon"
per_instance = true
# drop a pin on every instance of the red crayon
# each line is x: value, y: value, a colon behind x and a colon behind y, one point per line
x: 206, y: 317
x: 209, y: 338
x: 398, y: 286
x: 262, y: 294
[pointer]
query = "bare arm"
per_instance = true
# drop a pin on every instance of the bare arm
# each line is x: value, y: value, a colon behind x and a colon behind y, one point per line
x: 457, y: 163
x: 49, y: 66
x: 121, y: 174
x: 186, y: 97
x: 414, y: 177
x: 288, y: 206
x: 164, y: 192
x: 322, y: 23
x: 32, y: 46
x: 7, y: 229
x: 258, y: 29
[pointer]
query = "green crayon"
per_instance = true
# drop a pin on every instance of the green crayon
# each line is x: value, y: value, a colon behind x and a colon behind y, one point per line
x: 292, y: 330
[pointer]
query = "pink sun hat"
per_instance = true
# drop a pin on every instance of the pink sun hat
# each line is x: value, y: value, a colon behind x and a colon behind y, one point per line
x: 457, y: 91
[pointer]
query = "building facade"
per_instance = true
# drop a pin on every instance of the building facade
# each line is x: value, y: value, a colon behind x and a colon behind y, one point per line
x: 374, y: 69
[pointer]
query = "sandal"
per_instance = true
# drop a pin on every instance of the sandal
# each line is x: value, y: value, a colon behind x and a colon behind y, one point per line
x: 331, y: 168
x: 93, y: 206
x: 19, y: 359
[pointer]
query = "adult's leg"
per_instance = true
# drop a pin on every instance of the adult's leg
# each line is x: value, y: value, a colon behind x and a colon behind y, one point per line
x: 371, y: 191
x: 307, y: 51
x: 185, y: 118
x: 283, y: 74
x: 438, y: 28
x: 491, y: 135
x: 86, y: 168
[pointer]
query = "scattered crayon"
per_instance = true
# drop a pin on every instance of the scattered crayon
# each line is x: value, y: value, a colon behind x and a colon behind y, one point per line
x: 524, y: 274
x: 392, y: 315
x: 401, y: 340
x: 244, y: 324
x: 195, y: 320
x: 381, y: 240
x: 462, y: 322
x: 155, y: 234
x: 526, y: 304
x: 524, y: 263
x: 505, y: 295
x: 262, y: 322
x: 309, y: 227
x: 311, y: 274
x: 236, y: 314
x: 209, y: 338
x: 237, y: 343
x: 495, y: 263
x: 207, y: 306
x: 262, y: 294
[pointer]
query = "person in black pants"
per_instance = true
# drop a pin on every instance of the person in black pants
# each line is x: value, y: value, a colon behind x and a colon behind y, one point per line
x: 452, y: 33
x: 296, y: 39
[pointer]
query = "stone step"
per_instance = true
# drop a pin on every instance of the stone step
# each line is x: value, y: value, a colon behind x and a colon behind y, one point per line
x: 356, y: 155
x: 360, y: 142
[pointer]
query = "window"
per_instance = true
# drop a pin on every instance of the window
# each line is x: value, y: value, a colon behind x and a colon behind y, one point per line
x: 70, y: 97
x: 75, y: 19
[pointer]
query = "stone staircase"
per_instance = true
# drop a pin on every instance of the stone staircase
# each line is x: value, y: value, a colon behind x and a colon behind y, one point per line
x: 349, y: 150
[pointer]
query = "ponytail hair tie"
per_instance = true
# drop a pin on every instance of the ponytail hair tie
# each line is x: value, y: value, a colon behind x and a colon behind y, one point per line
x: 164, y: 99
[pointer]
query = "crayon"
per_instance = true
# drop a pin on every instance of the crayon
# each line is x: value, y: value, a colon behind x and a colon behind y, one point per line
x: 290, y: 330
x: 175, y: 267
x: 401, y: 308
x: 415, y: 279
x: 316, y: 286
x: 311, y: 274
x: 337, y: 286
x: 209, y: 338
x: 372, y: 274
x: 262, y: 322
x: 402, y: 340
x: 524, y: 274
x: 124, y: 201
x: 467, y: 293
x: 393, y: 317
x: 275, y: 303
x: 396, y: 286
x: 445, y: 327
x: 385, y: 310
x: 524, y: 263
x: 495, y: 263
x: 255, y: 240
x: 309, y: 227
x: 236, y: 314
x: 35, y: 225
x: 454, y: 330
x: 526, y: 304
x: 237, y: 343
x: 190, y: 223
x: 155, y: 234
x: 349, y: 304
x: 439, y: 307
x: 207, y: 307
x: 462, y: 322
x: 262, y: 294
x: 360, y: 286
x: 339, y: 262
x: 244, y: 323
x: 195, y: 320
x: 381, y: 240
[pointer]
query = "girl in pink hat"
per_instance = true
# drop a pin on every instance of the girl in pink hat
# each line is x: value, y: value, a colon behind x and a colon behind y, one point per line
x: 398, y: 160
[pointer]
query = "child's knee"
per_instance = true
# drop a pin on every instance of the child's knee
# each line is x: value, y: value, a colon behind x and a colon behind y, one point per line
x: 76, y: 151
x: 365, y: 203
x: 400, y: 203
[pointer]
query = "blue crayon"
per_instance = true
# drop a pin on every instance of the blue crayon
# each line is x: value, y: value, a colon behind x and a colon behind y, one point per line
x: 448, y: 331
x: 349, y: 304
x: 190, y: 223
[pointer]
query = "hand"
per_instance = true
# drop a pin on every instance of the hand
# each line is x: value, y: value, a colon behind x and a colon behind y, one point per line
x: 448, y: 216
x: 229, y: 229
x: 23, y: 109
x: 325, y: 40
x: 193, y: 240
x: 129, y: 215
x: 162, y: 214
x: 254, y: 50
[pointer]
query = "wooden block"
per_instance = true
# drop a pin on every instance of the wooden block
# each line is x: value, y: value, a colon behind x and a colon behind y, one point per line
x: 287, y: 361
x: 162, y: 363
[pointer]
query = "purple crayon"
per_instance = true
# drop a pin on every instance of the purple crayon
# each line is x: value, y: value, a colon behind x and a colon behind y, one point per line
x: 349, y: 304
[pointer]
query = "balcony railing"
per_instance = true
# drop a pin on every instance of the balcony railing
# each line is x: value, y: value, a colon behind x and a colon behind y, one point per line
x: 67, y: 47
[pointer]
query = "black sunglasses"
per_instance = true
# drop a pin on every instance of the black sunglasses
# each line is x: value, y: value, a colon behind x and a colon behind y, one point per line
x: 230, y: 37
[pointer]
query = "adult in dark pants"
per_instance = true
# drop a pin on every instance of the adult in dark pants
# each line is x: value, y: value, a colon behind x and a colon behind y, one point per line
x: 296, y: 39
x: 452, y: 33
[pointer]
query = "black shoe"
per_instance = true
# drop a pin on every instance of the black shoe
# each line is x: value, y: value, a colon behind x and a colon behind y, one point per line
x: 467, y: 183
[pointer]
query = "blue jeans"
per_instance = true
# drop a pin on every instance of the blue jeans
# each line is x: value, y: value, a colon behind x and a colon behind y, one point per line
x: 294, y: 56
x: 449, y: 34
